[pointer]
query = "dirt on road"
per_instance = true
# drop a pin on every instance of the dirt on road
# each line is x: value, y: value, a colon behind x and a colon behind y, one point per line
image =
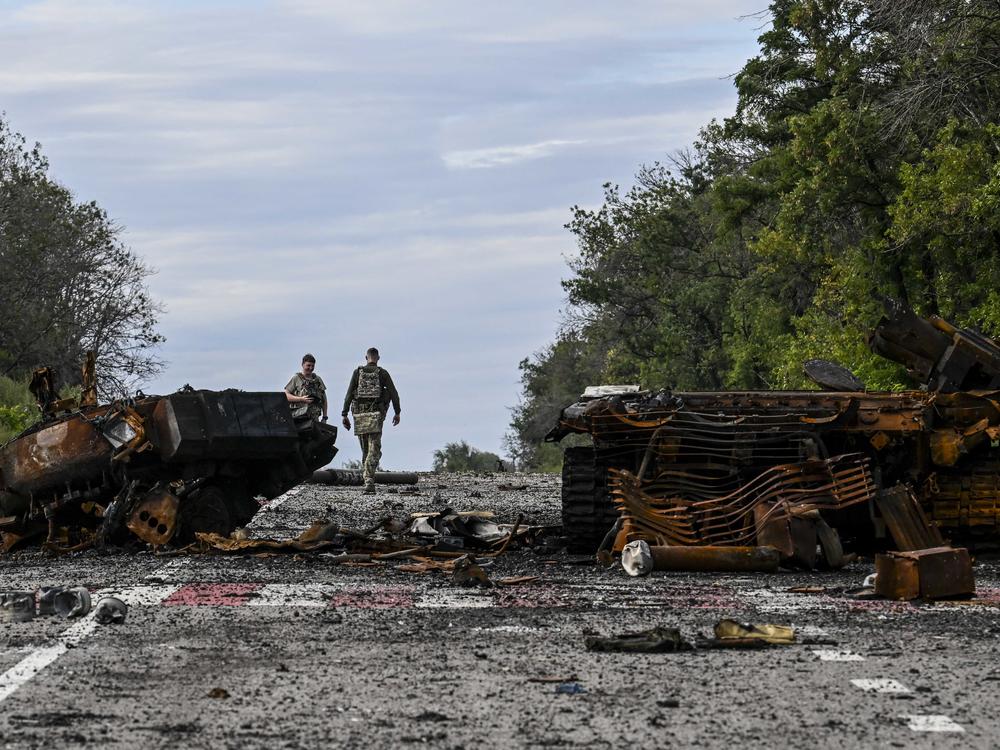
x: 293, y: 651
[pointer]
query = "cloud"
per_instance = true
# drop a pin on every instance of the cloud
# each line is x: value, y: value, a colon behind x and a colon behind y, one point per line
x: 323, y: 174
x: 501, y: 156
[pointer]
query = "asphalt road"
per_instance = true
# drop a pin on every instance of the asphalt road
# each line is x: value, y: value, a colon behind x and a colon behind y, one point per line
x: 293, y: 651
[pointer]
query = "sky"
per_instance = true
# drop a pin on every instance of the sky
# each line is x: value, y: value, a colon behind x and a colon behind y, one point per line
x: 325, y: 176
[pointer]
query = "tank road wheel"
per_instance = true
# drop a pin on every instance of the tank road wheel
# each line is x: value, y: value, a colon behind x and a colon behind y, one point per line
x: 587, y: 512
x: 206, y: 511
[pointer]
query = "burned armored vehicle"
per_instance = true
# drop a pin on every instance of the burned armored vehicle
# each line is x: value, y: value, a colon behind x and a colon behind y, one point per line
x: 797, y: 470
x: 157, y: 468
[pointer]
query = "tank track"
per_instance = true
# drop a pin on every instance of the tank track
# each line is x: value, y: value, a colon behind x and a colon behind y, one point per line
x: 587, y: 511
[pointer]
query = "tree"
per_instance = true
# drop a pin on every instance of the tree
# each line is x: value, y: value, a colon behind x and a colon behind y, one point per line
x: 863, y: 156
x: 67, y: 282
x: 461, y: 456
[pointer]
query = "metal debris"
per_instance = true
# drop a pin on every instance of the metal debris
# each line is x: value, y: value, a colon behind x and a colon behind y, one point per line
x: 72, y: 602
x: 110, y: 611
x: 797, y: 470
x: 349, y: 478
x: 656, y: 640
x: 157, y: 468
x: 938, y: 573
x: 17, y: 606
x: 639, y: 558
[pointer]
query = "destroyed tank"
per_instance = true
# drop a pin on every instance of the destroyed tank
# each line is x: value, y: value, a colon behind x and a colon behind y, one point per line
x: 158, y: 468
x: 798, y: 470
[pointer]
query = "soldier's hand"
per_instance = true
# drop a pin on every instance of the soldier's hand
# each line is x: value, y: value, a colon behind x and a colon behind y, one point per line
x: 395, y: 420
x: 347, y: 423
x: 307, y: 399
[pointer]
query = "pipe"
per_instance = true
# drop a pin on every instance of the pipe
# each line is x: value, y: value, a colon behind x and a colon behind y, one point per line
x: 348, y: 478
x: 639, y: 559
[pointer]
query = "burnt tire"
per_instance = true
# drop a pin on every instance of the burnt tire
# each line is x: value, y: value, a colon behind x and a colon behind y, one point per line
x: 587, y: 511
x: 206, y: 511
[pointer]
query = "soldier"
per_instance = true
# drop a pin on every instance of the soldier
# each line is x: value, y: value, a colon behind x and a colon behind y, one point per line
x: 307, y: 391
x: 368, y: 397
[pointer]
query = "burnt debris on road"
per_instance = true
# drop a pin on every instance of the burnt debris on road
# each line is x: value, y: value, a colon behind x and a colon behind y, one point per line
x: 815, y: 475
x: 158, y: 468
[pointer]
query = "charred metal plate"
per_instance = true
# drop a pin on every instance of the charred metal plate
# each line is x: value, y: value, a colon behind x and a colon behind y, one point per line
x: 54, y: 456
x: 831, y: 377
x: 154, y: 519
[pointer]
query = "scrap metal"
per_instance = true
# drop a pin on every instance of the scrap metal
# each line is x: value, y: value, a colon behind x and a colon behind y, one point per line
x: 737, y: 468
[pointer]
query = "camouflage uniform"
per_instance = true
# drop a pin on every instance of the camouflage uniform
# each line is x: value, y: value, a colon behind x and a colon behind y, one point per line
x: 300, y: 385
x: 368, y: 396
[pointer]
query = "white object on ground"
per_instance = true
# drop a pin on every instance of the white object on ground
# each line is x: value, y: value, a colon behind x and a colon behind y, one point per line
x: 828, y: 655
x: 880, y: 685
x: 637, y: 560
x: 931, y: 723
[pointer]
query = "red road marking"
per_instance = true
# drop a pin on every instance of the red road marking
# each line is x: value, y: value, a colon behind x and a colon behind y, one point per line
x: 213, y: 594
x: 400, y: 597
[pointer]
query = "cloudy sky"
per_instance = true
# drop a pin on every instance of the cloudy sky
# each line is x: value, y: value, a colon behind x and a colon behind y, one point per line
x: 324, y: 175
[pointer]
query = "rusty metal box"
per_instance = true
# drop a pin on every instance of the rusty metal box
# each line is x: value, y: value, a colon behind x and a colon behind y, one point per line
x: 896, y: 577
x: 935, y: 573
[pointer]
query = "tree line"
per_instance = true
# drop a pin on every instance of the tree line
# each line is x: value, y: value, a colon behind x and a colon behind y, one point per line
x: 68, y: 284
x: 861, y: 159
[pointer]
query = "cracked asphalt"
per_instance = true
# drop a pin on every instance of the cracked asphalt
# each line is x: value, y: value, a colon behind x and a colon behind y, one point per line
x: 292, y: 651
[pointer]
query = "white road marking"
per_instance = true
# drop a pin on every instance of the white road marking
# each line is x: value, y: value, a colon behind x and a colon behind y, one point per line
x: 40, y: 658
x: 880, y: 685
x: 931, y: 723
x: 513, y: 629
x: 454, y: 600
x: 164, y: 572
x: 280, y: 499
x: 810, y: 631
x: 783, y: 602
x: 829, y: 655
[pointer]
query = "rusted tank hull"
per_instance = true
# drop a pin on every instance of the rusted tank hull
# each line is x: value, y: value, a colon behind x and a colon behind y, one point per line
x: 157, y: 467
x: 55, y: 456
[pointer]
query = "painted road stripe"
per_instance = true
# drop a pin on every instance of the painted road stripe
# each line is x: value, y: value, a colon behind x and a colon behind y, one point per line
x: 279, y: 500
x: 454, y: 600
x: 880, y: 685
x: 301, y: 595
x: 40, y: 658
x: 827, y: 655
x: 811, y: 631
x: 931, y: 723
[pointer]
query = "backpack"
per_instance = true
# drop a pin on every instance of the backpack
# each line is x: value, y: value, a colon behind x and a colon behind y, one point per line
x: 369, y: 385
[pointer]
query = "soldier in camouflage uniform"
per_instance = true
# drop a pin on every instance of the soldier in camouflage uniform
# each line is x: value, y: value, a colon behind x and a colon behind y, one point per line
x: 368, y: 396
x: 306, y: 391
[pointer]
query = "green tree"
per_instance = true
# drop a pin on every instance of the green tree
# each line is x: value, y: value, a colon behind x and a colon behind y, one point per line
x: 863, y: 156
x: 67, y: 282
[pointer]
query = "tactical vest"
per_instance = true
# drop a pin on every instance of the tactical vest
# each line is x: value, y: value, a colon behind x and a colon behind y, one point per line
x: 369, y: 385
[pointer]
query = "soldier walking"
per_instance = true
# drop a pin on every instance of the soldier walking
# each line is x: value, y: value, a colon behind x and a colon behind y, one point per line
x: 368, y: 396
x: 306, y: 391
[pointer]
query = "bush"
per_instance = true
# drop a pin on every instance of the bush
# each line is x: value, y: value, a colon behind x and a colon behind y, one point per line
x: 461, y: 456
x: 17, y: 408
